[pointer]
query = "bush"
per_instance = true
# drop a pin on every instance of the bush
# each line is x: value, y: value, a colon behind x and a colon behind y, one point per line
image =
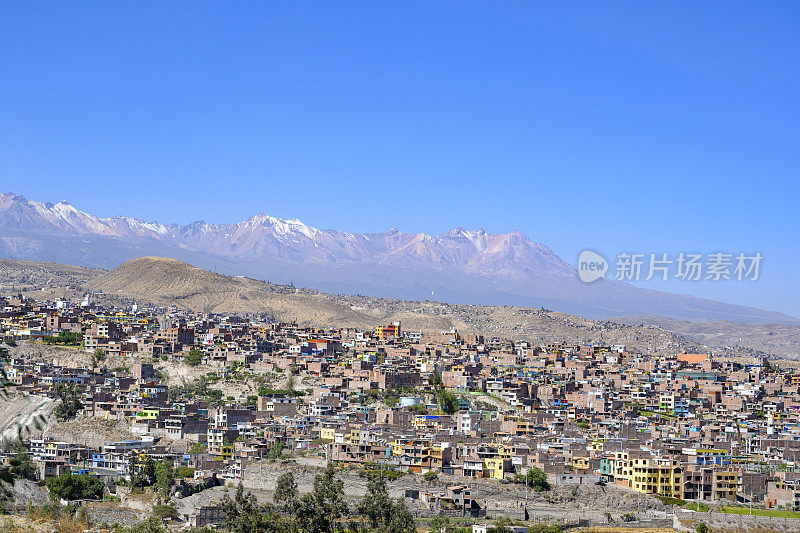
x: 185, y: 472
x: 75, y: 487
x: 63, y: 339
x: 667, y: 500
x: 628, y: 517
x: 701, y: 528
x: 430, y: 476
x: 198, y: 448
x: 194, y: 357
x: 165, y: 511
x: 536, y: 480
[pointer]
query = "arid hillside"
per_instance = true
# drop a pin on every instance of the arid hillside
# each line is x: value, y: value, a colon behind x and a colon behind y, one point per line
x: 165, y: 282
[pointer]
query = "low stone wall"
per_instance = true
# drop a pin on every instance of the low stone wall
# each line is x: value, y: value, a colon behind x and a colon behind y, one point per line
x: 737, y: 522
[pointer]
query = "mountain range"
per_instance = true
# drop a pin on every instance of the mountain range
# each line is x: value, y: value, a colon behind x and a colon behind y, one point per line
x: 460, y: 266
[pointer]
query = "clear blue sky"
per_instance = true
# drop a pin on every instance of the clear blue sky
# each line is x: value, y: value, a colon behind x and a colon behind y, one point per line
x: 641, y: 126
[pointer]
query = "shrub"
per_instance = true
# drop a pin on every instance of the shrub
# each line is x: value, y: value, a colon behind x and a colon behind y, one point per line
x: 75, y: 487
x: 430, y: 476
x: 194, y: 357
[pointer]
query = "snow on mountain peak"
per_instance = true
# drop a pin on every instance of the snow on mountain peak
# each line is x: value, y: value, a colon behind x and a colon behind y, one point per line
x: 264, y: 236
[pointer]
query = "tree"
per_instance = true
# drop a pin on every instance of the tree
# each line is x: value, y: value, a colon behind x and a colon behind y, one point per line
x: 22, y: 467
x: 502, y: 525
x: 320, y: 510
x: 184, y: 472
x: 98, y: 356
x: 286, y: 494
x: 275, y: 450
x: 447, y: 401
x: 381, y: 513
x: 243, y: 514
x: 194, y: 357
x: 70, y: 404
x: 402, y: 521
x: 701, y: 528
x: 417, y: 408
x: 440, y: 524
x: 376, y: 505
x: 166, y: 511
x: 151, y: 525
x: 164, y: 475
x: 69, y: 486
x: 144, y: 475
x: 535, y: 478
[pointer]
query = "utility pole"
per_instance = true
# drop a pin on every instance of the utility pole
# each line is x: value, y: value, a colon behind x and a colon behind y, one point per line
x: 525, y: 514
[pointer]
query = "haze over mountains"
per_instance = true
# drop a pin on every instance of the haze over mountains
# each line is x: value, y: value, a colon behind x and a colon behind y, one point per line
x: 460, y: 266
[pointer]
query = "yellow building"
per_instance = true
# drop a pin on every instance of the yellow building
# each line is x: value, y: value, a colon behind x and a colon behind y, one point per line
x: 496, y: 467
x: 328, y: 434
x: 655, y: 475
x: 392, y: 330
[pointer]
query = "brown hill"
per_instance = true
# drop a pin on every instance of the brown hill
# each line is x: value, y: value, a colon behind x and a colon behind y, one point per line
x: 165, y: 281
x: 163, y: 277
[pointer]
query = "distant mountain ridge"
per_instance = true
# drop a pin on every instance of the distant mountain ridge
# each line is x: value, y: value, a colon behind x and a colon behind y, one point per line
x: 474, y: 251
x: 460, y: 266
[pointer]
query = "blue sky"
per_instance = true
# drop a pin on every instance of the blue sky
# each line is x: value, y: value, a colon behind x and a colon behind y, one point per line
x: 641, y: 126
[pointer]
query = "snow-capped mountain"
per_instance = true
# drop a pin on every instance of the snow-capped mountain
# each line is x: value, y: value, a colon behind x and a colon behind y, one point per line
x: 263, y: 236
x: 460, y: 266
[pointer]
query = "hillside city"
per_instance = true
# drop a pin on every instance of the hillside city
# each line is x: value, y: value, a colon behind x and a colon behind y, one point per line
x: 460, y: 426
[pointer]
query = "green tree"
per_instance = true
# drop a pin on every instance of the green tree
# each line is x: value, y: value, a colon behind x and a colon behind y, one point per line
x: 381, y: 513
x: 69, y: 486
x: 243, y: 514
x: 701, y: 528
x: 430, y: 476
x: 184, y: 472
x: 275, y: 450
x: 194, y: 357
x: 376, y: 507
x: 320, y: 510
x: 440, y: 524
x: 535, y: 478
x: 164, y: 475
x: 22, y: 467
x: 144, y: 474
x: 98, y: 356
x: 286, y: 494
x: 447, y: 401
x: 151, y: 525
x: 165, y: 511
x: 417, y: 408
x: 502, y: 525
x: 70, y: 404
x: 402, y: 521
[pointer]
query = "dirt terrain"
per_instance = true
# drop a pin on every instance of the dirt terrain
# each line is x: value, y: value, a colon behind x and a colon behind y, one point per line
x: 166, y: 282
